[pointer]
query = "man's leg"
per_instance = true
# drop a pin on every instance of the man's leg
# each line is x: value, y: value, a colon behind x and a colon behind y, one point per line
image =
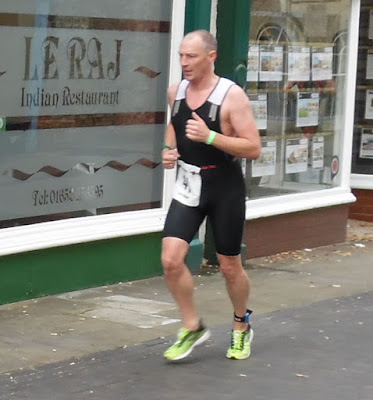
x: 179, y: 279
x: 238, y: 286
x: 180, y: 283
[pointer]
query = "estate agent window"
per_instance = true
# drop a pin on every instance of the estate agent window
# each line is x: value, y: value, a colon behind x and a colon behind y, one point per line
x: 362, y: 155
x: 296, y: 82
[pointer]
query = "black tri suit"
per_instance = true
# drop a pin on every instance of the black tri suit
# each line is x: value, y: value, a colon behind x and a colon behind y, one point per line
x: 210, y: 181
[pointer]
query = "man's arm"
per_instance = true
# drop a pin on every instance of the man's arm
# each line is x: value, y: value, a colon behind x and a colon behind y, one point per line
x: 169, y: 157
x: 170, y: 138
x: 241, y: 138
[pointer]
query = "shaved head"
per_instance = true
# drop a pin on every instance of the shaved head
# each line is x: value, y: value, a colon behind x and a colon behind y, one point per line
x: 208, y: 40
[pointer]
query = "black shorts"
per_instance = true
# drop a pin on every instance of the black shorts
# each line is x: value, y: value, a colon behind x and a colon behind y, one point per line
x: 223, y: 201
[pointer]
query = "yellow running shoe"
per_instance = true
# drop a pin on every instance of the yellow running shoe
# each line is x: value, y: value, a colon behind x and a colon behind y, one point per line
x: 240, y: 344
x: 186, y: 341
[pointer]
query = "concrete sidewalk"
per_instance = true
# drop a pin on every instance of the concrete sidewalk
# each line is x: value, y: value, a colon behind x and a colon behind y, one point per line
x: 134, y: 319
x: 321, y: 351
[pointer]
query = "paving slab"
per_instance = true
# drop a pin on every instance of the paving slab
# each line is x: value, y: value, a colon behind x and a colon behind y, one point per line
x: 56, y: 328
x: 320, y: 351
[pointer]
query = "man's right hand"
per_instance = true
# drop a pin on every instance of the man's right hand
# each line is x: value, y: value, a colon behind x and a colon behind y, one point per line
x: 169, y: 158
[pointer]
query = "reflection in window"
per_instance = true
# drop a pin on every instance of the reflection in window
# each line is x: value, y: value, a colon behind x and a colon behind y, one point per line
x: 83, y: 108
x: 362, y: 153
x: 295, y: 81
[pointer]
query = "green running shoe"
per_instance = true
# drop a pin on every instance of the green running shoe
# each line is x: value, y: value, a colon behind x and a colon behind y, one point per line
x: 240, y: 345
x: 186, y: 341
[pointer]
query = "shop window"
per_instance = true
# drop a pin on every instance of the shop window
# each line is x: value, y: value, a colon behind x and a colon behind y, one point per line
x: 362, y: 154
x: 83, y: 107
x: 295, y: 81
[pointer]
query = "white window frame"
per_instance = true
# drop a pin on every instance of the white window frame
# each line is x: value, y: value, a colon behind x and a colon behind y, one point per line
x: 326, y: 197
x: 361, y: 181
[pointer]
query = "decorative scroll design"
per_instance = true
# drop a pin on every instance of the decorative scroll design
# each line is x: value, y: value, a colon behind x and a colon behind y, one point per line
x: 86, y: 168
x: 147, y: 71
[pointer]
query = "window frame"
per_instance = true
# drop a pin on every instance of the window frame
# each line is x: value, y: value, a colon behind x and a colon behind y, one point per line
x: 341, y: 193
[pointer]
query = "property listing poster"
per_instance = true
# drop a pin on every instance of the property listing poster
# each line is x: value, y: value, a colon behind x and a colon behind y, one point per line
x: 253, y: 64
x: 296, y: 155
x: 299, y: 59
x: 307, y: 109
x: 369, y: 71
x: 369, y: 104
x: 322, y: 63
x: 265, y: 165
x: 318, y: 152
x: 366, y: 144
x: 259, y: 106
x: 271, y: 63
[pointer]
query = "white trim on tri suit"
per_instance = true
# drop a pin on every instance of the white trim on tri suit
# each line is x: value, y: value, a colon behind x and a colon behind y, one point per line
x: 216, y: 97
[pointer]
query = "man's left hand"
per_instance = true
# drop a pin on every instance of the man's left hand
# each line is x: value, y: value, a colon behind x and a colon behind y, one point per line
x: 196, y: 129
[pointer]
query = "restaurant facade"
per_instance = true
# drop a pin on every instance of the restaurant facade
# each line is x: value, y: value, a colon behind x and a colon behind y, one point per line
x: 83, y: 194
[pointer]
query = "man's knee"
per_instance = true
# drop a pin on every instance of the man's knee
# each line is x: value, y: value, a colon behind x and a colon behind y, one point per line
x: 230, y: 266
x: 173, y: 257
x: 170, y: 262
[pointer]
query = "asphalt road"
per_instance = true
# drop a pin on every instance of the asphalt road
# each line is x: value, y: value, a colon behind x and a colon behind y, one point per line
x: 318, y: 352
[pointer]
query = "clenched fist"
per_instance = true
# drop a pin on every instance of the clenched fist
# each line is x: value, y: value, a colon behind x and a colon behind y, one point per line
x: 196, y: 129
x: 169, y: 158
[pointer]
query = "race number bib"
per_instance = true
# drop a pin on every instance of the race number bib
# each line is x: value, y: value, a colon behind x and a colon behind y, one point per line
x: 188, y: 184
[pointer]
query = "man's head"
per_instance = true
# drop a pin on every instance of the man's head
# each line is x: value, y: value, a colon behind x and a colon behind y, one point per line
x: 206, y: 37
x: 198, y: 52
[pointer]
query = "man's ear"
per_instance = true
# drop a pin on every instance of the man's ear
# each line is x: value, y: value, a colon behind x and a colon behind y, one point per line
x: 213, y: 55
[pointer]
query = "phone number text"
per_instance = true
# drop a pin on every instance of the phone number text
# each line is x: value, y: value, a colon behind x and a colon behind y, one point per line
x: 67, y: 195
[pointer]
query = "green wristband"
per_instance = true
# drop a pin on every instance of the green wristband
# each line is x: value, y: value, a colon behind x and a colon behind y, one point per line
x: 166, y: 146
x: 211, y: 137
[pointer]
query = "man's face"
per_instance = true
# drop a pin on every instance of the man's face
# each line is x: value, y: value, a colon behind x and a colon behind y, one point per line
x: 195, y: 59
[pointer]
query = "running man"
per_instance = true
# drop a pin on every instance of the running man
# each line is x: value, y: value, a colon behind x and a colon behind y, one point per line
x: 211, y: 125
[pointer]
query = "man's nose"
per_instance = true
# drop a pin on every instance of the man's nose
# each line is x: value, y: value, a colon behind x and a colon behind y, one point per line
x: 183, y: 61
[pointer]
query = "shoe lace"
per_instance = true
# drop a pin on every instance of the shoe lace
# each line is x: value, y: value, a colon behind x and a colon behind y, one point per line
x: 237, y: 340
x: 182, y: 335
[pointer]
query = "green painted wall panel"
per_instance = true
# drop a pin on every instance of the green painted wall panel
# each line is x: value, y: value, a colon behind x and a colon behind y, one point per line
x: 62, y: 269
x: 233, y: 26
x: 197, y: 15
